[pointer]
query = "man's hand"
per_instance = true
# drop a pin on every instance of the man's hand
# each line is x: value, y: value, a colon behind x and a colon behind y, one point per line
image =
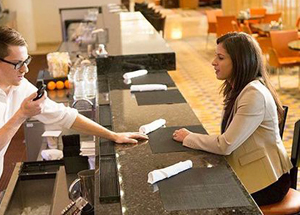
x: 30, y: 108
x: 130, y: 137
x: 180, y: 134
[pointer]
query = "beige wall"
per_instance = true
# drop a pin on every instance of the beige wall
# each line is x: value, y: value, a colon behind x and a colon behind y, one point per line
x: 290, y: 11
x: 39, y: 21
x: 47, y: 20
x: 233, y: 7
x: 290, y: 8
x: 25, y: 21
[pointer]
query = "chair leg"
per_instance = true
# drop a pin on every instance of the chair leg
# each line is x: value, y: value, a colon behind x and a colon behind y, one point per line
x: 299, y: 77
x: 278, y: 77
x: 206, y: 40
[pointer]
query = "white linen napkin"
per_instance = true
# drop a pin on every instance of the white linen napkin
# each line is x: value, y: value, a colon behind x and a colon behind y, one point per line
x: 160, y: 174
x: 52, y: 154
x: 148, y: 87
x: 87, y: 148
x: 87, y: 153
x: 145, y: 129
x: 87, y: 144
x: 130, y: 75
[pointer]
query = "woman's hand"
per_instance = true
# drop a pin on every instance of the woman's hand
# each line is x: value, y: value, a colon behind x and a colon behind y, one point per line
x: 130, y: 137
x: 180, y: 134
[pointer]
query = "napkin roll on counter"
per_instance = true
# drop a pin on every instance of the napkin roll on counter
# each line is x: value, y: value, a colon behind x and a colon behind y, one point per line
x: 160, y: 174
x: 146, y: 129
x: 147, y: 87
x: 130, y: 75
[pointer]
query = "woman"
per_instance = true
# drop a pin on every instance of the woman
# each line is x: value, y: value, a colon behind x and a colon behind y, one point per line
x: 250, y: 134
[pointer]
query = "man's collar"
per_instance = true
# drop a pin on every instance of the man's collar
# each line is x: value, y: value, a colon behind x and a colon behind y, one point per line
x: 11, y: 89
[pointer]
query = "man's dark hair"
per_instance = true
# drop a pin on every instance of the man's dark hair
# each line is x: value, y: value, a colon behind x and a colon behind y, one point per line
x: 9, y: 37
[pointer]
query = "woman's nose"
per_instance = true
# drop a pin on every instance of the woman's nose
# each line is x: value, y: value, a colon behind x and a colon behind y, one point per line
x: 214, y: 63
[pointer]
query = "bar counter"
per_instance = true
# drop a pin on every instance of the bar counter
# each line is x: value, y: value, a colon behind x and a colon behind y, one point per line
x: 136, y: 161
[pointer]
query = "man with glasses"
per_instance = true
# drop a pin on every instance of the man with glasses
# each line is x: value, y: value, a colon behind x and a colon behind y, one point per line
x: 20, y: 64
x: 17, y: 94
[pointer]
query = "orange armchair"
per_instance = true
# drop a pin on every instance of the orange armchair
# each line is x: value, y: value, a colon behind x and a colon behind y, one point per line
x: 257, y: 11
x: 212, y: 21
x: 298, y: 26
x: 280, y: 56
x: 224, y: 24
x: 235, y: 26
x: 271, y: 17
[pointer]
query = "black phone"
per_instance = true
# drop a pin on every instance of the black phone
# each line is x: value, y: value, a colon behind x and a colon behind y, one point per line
x: 40, y: 92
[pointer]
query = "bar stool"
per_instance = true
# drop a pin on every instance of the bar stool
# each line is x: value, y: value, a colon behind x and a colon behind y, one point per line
x: 291, y: 202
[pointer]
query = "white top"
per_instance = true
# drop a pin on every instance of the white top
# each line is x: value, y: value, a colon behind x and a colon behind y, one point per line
x: 52, y: 113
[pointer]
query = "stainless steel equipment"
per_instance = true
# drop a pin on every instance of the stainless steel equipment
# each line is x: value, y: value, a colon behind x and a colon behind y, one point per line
x: 36, y: 188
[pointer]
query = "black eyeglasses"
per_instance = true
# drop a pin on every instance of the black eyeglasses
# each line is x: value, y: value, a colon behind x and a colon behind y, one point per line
x: 19, y: 64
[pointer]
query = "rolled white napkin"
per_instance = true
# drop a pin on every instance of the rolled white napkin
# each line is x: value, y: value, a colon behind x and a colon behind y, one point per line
x: 52, y: 154
x: 130, y: 75
x: 148, y: 87
x: 145, y: 129
x: 160, y: 174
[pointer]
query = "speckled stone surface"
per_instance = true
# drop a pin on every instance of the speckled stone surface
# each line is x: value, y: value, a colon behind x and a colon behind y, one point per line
x: 136, y: 161
x: 155, y: 61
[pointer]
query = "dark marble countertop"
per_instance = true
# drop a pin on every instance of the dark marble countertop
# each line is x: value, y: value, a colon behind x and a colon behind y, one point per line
x: 136, y: 161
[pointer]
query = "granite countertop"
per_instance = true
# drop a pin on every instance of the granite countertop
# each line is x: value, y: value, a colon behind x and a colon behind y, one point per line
x: 136, y: 161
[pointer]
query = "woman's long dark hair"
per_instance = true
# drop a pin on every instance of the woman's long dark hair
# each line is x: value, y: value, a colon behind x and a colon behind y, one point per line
x: 247, y: 65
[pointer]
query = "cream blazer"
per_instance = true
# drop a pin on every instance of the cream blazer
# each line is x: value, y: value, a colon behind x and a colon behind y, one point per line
x: 251, y: 142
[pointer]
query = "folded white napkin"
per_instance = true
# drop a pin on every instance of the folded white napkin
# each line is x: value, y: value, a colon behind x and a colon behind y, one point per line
x: 130, y: 75
x: 52, y: 154
x: 145, y: 129
x: 87, y: 144
x: 160, y: 174
x: 148, y: 87
x: 87, y: 153
x: 88, y: 150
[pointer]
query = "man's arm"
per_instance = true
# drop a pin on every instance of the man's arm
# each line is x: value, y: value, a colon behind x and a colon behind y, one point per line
x: 10, y: 129
x: 28, y: 109
x: 87, y: 126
